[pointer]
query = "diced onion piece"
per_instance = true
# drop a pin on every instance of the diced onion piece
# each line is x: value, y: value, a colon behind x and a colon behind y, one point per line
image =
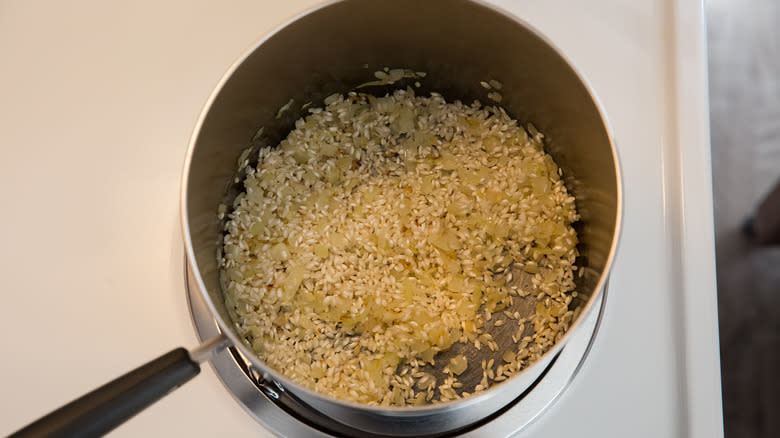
x: 333, y: 98
x: 420, y: 346
x: 279, y: 252
x: 491, y: 144
x: 427, y: 185
x: 458, y: 208
x: 292, y: 281
x: 329, y: 149
x: 508, y: 356
x: 406, y: 119
x: 531, y: 268
x: 541, y: 309
x: 447, y: 162
x: 257, y: 228
x: 344, y: 163
x: 541, y: 185
x: 318, y: 371
x: 321, y: 251
x: 459, y: 364
x: 338, y: 240
x: 446, y: 240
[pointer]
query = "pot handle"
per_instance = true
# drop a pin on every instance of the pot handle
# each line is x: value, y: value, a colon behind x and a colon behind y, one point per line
x: 100, y: 411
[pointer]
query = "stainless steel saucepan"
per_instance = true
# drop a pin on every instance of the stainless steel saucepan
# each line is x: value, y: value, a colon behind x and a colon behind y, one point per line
x: 333, y: 48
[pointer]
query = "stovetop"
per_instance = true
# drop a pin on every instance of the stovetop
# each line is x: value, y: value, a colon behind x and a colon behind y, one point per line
x: 98, y: 105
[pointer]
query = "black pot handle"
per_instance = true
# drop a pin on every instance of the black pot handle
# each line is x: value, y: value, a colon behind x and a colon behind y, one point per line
x: 105, y: 408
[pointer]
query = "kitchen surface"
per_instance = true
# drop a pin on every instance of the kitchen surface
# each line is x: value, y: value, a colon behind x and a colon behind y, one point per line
x: 100, y: 99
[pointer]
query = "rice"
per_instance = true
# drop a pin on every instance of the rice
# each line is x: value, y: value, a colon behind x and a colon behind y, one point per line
x: 381, y: 232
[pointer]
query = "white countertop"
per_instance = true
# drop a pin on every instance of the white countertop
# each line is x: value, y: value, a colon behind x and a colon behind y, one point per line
x: 98, y: 103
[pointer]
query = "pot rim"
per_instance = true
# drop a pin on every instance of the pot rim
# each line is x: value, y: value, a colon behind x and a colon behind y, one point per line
x: 269, y: 373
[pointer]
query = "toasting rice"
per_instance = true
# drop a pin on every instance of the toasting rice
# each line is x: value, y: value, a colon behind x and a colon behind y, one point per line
x: 382, y: 231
